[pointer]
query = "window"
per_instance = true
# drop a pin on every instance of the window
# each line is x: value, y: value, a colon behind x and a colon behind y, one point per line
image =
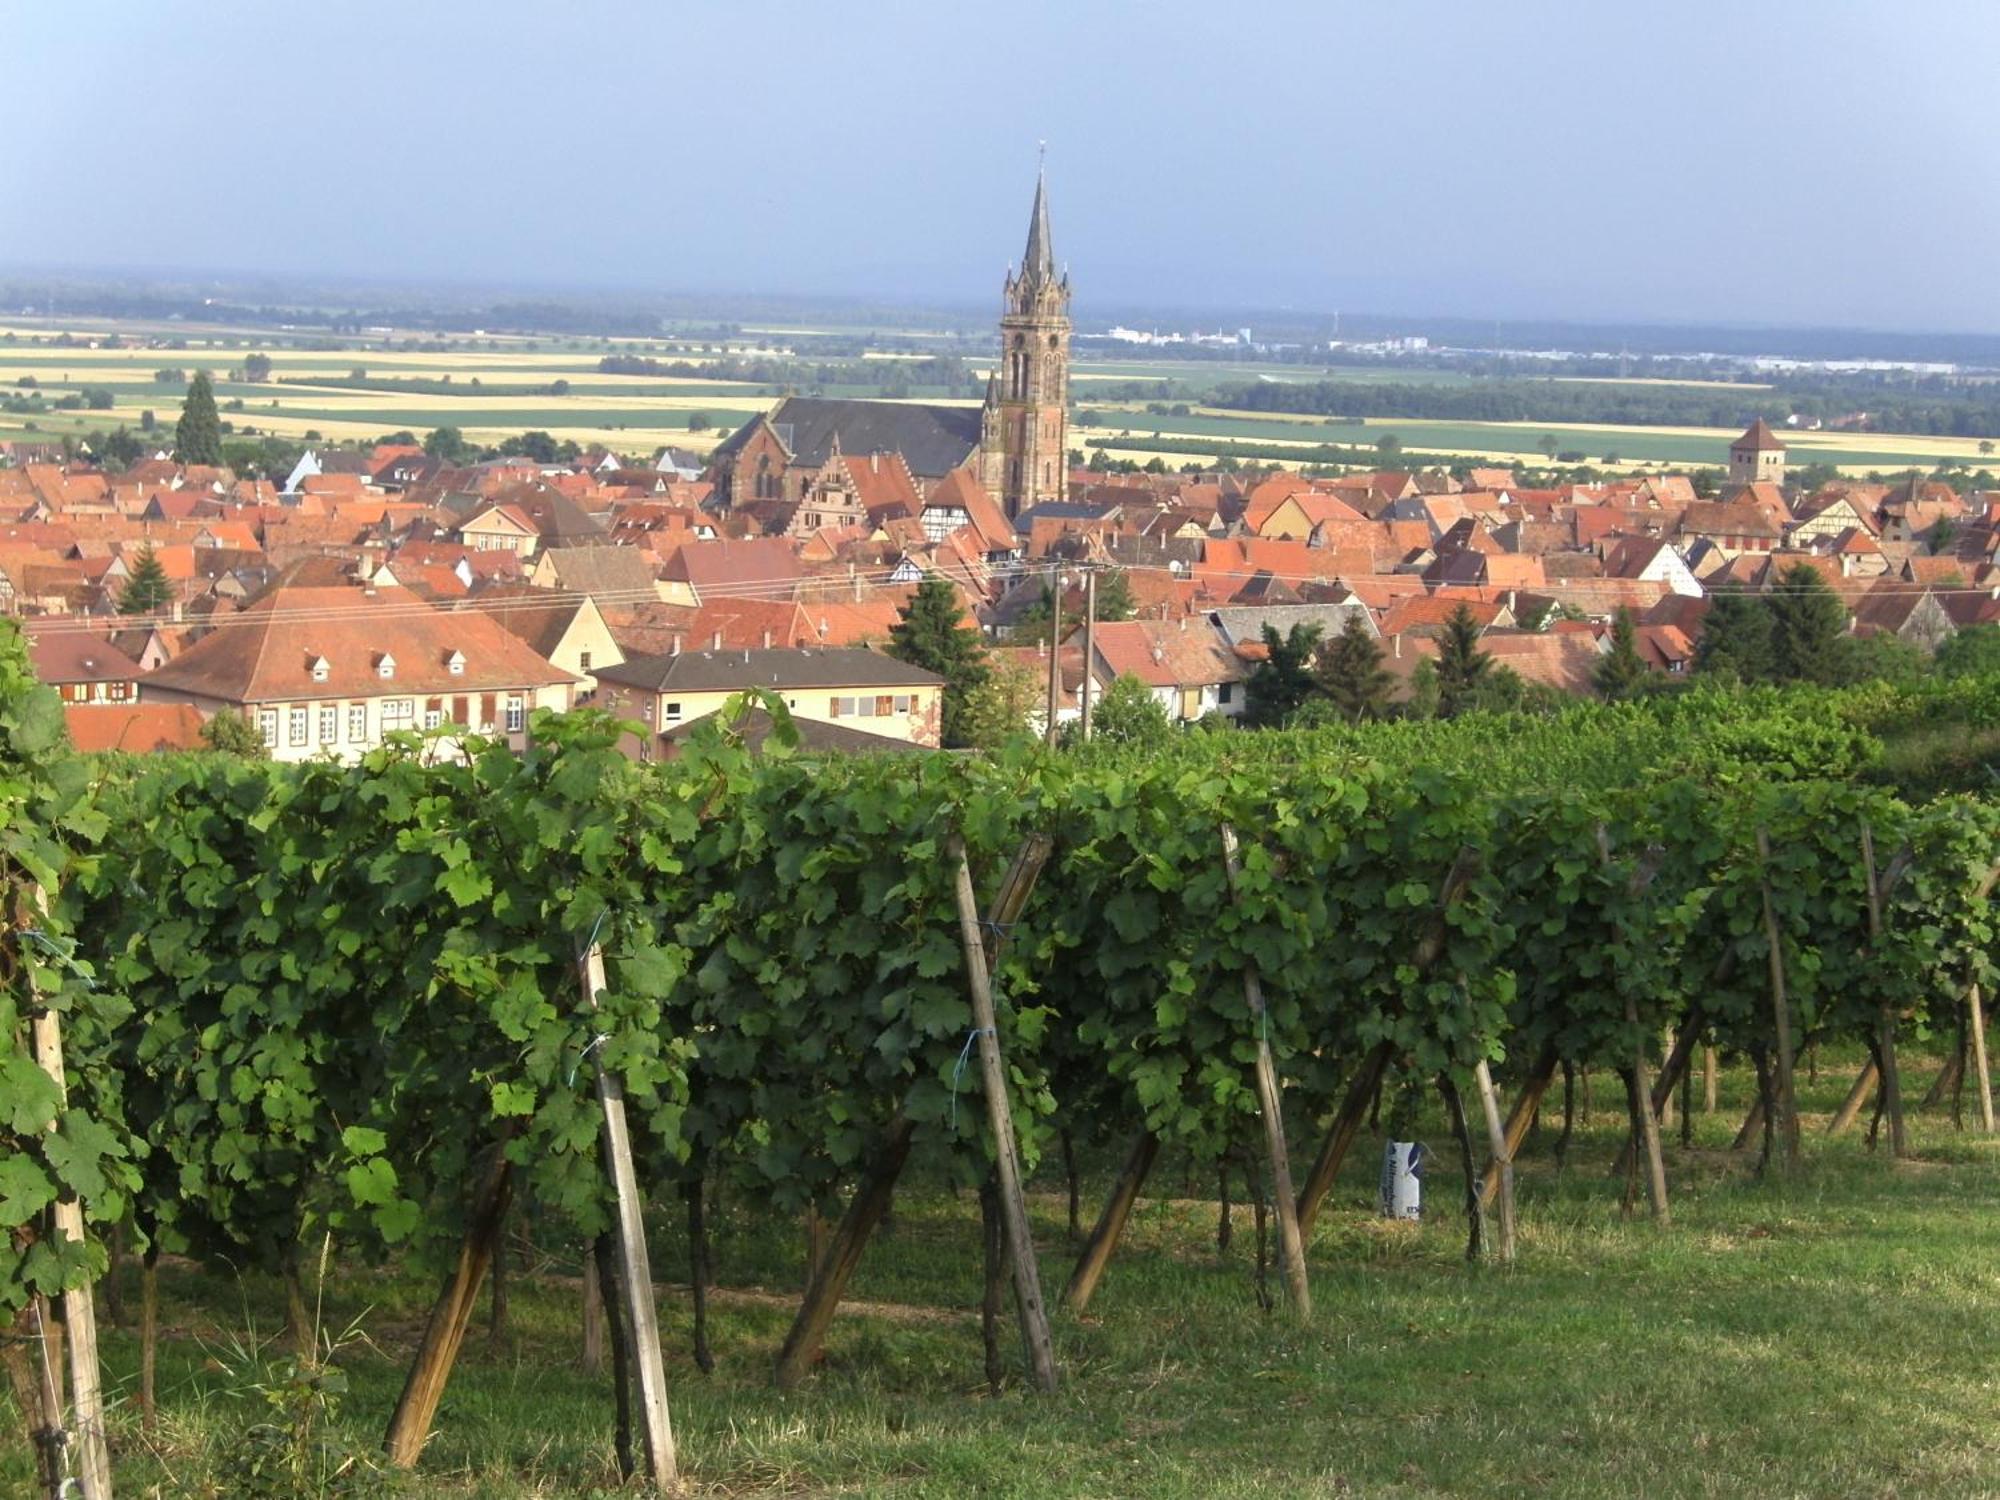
x: 320, y: 669
x: 397, y: 713
x: 1226, y: 693
x: 433, y: 717
x: 385, y: 666
x: 267, y: 725
x: 671, y: 713
x: 517, y: 715
x: 329, y: 723
x: 296, y: 725
x: 455, y: 664
x: 357, y: 722
x: 583, y: 661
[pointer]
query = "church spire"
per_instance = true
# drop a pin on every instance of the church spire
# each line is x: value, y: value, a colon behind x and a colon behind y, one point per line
x: 1038, y: 262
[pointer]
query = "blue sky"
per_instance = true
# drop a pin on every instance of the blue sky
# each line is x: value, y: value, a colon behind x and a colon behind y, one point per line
x: 1745, y: 161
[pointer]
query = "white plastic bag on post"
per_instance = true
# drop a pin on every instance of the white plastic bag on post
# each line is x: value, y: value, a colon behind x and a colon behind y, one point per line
x: 1403, y: 1179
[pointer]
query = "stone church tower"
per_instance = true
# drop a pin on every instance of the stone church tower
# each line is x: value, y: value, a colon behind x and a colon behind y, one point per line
x: 1024, y: 432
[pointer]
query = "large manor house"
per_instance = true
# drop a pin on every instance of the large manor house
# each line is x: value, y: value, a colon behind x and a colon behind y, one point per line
x: 1015, y: 446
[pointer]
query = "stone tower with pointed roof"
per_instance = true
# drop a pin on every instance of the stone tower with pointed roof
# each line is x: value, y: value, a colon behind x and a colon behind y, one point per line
x: 1758, y: 457
x: 1024, y: 430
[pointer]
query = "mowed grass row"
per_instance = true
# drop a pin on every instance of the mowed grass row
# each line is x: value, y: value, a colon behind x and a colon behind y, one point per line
x: 1827, y: 1336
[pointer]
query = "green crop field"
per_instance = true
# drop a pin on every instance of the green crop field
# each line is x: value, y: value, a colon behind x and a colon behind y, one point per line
x: 407, y: 386
x: 1128, y: 426
x: 1827, y: 1337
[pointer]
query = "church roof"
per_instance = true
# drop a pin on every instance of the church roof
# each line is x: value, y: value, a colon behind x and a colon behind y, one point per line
x: 1759, y: 435
x: 1038, y: 260
x: 933, y: 440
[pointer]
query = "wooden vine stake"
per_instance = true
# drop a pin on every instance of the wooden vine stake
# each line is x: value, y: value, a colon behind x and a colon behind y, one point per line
x: 1503, y: 1157
x: 444, y: 1333
x: 1533, y: 1088
x: 1638, y: 1086
x: 635, y: 1281
x: 1368, y: 1078
x: 79, y: 1315
x: 872, y: 1195
x: 1104, y: 1235
x: 1976, y: 1023
x: 1786, y: 1102
x: 1291, y: 1243
x: 1885, y: 1040
x: 1000, y: 1119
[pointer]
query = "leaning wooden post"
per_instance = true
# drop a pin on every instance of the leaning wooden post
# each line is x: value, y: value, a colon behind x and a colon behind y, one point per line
x: 93, y: 1451
x: 1533, y: 1087
x: 1104, y: 1236
x: 1850, y: 1107
x: 1340, y: 1134
x: 1347, y: 1121
x: 641, y: 1316
x: 1639, y: 1087
x: 1271, y: 1105
x: 1000, y: 1119
x: 1885, y: 1041
x: 444, y: 1333
x: 878, y: 1184
x: 1977, y: 1022
x: 1679, y: 1058
x: 1503, y: 1157
x: 1787, y: 1102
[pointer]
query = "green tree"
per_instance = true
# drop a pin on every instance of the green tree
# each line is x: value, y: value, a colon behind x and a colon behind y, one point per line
x: 231, y: 733
x: 1351, y: 674
x: 931, y: 634
x: 256, y: 370
x: 1972, y: 652
x: 1549, y: 445
x: 1425, y: 692
x: 1462, y: 668
x: 1114, y: 596
x: 1004, y: 707
x: 448, y: 444
x: 1808, y: 623
x: 1877, y: 657
x: 1736, y: 639
x: 148, y: 590
x: 1621, y: 672
x: 1129, y: 714
x: 1284, y: 679
x: 198, y: 434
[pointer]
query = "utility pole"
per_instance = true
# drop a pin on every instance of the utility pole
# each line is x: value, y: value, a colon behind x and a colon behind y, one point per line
x: 1055, y: 645
x: 1089, y: 644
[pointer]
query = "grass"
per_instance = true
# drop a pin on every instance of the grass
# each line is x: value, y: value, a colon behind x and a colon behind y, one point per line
x: 1827, y: 1336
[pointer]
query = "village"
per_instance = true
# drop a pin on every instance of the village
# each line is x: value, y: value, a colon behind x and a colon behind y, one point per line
x: 381, y: 588
x: 371, y: 591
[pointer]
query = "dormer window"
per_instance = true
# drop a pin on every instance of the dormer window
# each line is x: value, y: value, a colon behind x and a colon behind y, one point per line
x: 321, y: 668
x: 455, y: 664
x: 385, y: 666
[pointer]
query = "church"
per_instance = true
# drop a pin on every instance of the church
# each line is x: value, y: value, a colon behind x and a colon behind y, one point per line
x: 1016, y: 445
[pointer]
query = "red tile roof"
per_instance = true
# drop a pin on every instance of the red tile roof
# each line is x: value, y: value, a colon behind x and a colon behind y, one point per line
x: 266, y: 652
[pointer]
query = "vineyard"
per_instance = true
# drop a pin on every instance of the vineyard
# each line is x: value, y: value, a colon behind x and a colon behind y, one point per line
x: 271, y: 1018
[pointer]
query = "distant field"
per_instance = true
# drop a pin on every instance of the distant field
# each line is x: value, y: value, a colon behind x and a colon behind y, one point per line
x: 638, y: 412
x: 1129, y: 426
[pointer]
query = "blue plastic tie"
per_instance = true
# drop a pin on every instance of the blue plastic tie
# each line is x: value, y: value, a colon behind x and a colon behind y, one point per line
x: 958, y: 1072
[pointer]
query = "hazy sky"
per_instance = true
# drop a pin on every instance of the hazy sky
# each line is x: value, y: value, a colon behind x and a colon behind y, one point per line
x: 1785, y: 161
